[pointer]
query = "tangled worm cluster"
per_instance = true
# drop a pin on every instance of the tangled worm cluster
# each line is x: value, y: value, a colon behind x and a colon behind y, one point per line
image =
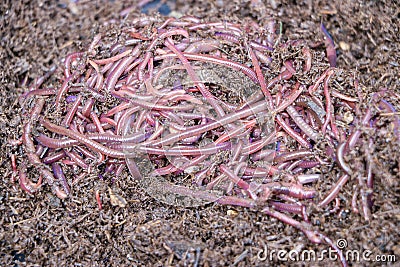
x: 202, y: 112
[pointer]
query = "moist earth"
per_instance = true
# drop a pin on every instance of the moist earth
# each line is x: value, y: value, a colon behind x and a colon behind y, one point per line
x: 135, y: 229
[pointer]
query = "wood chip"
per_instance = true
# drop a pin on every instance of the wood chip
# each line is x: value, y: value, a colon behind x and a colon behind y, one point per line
x: 116, y: 200
x: 344, y: 46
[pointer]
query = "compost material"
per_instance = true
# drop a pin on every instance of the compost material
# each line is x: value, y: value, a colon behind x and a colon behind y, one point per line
x: 326, y: 105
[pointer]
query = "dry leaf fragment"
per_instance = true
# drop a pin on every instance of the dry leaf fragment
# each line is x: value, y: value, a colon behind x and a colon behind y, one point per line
x: 116, y: 200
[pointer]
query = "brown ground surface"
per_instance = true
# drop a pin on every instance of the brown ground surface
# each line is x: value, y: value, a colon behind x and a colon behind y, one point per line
x: 44, y: 231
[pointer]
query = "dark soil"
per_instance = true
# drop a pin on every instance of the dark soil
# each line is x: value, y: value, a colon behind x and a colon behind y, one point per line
x: 42, y: 230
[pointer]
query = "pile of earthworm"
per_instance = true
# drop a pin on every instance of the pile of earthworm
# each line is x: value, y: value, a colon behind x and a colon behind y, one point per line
x: 203, y: 112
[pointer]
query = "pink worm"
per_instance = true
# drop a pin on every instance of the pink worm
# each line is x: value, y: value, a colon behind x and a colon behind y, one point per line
x: 82, y: 139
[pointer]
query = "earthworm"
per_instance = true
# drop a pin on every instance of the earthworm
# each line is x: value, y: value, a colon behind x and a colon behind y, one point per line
x: 203, y: 46
x: 76, y: 158
x: 285, y: 75
x: 39, y: 92
x: 264, y: 59
x: 106, y: 123
x: 258, y: 145
x: 309, y: 164
x: 87, y: 107
x: 340, y: 150
x: 293, y: 155
x: 225, y: 25
x: 119, y: 108
x: 293, y: 208
x: 289, y: 66
x: 310, y: 132
x: 328, y: 101
x: 313, y: 88
x: 142, y: 65
x: 182, y: 151
x: 333, y: 245
x: 261, y: 78
x: 112, y: 59
x: 68, y: 60
x: 82, y: 139
x: 364, y: 193
x: 204, y: 91
x: 96, y: 122
x: 308, y: 178
x: 307, y: 58
x: 98, y: 199
x: 260, y: 47
x: 64, y: 87
x: 337, y: 94
x: 221, y: 61
x: 297, y: 90
x: 353, y: 139
x: 56, y: 156
x: 311, y: 235
x: 228, y: 37
x: 337, y: 205
x: 148, y: 105
x: 27, y: 184
x: 123, y: 122
x: 385, y: 105
x: 290, y: 189
x: 131, y: 138
x: 49, y: 178
x: 265, y: 154
x: 330, y: 47
x: 242, y: 184
x: 236, y: 150
x: 85, y: 152
x: 229, y: 118
x: 370, y: 178
x: 115, y: 74
x: 27, y: 140
x: 39, y: 81
x: 71, y: 112
x: 334, y: 190
x: 59, y: 174
x: 291, y: 132
x: 55, y: 143
x: 316, y: 111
